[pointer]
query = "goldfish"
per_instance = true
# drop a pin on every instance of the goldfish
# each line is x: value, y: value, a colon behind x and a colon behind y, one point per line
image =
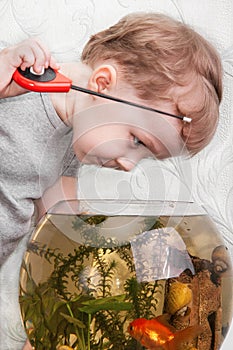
x: 158, y: 334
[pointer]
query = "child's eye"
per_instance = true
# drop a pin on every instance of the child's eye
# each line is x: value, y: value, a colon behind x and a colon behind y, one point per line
x: 137, y: 141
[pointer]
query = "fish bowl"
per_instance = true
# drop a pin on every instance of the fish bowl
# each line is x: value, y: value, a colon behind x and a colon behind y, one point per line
x: 107, y: 274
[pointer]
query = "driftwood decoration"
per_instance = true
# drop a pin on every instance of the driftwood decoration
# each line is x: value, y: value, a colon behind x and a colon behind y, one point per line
x: 204, y: 308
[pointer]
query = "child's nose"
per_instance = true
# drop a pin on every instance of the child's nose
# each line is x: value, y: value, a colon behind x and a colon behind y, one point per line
x: 125, y: 164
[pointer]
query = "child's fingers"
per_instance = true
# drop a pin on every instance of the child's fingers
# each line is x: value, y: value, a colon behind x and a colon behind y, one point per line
x: 53, y: 64
x: 42, y: 55
x: 36, y: 55
x: 28, y: 59
x: 49, y: 61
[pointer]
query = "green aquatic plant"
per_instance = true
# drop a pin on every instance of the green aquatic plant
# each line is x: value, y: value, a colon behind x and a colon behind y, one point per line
x: 76, y: 305
x: 51, y: 319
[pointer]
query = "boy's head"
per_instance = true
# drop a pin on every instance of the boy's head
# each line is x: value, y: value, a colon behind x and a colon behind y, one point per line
x: 164, y: 62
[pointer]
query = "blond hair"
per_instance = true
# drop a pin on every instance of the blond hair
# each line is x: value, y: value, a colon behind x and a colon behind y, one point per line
x: 162, y: 58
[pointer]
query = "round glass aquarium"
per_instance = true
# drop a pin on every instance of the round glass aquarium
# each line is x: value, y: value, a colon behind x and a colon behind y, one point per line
x: 126, y: 276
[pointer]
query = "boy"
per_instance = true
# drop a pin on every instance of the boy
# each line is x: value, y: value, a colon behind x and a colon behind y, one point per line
x: 147, y: 59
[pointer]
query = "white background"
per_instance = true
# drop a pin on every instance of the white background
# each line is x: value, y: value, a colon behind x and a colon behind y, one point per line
x: 65, y: 25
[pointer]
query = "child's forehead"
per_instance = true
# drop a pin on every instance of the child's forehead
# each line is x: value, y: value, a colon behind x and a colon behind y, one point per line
x: 121, y: 120
x: 111, y: 112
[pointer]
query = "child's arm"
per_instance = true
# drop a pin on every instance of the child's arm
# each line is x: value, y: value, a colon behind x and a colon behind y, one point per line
x: 27, y: 346
x: 64, y: 189
x: 30, y: 52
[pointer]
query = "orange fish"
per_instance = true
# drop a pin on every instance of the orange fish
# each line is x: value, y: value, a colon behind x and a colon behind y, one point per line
x: 157, y: 334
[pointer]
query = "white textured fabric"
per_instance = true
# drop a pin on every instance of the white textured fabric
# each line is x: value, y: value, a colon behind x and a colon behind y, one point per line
x: 25, y: 174
x: 66, y: 25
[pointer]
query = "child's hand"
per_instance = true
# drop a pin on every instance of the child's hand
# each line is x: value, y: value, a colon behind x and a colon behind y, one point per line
x: 30, y: 52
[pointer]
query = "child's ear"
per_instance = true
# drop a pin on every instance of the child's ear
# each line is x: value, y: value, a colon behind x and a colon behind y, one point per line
x: 102, y: 79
